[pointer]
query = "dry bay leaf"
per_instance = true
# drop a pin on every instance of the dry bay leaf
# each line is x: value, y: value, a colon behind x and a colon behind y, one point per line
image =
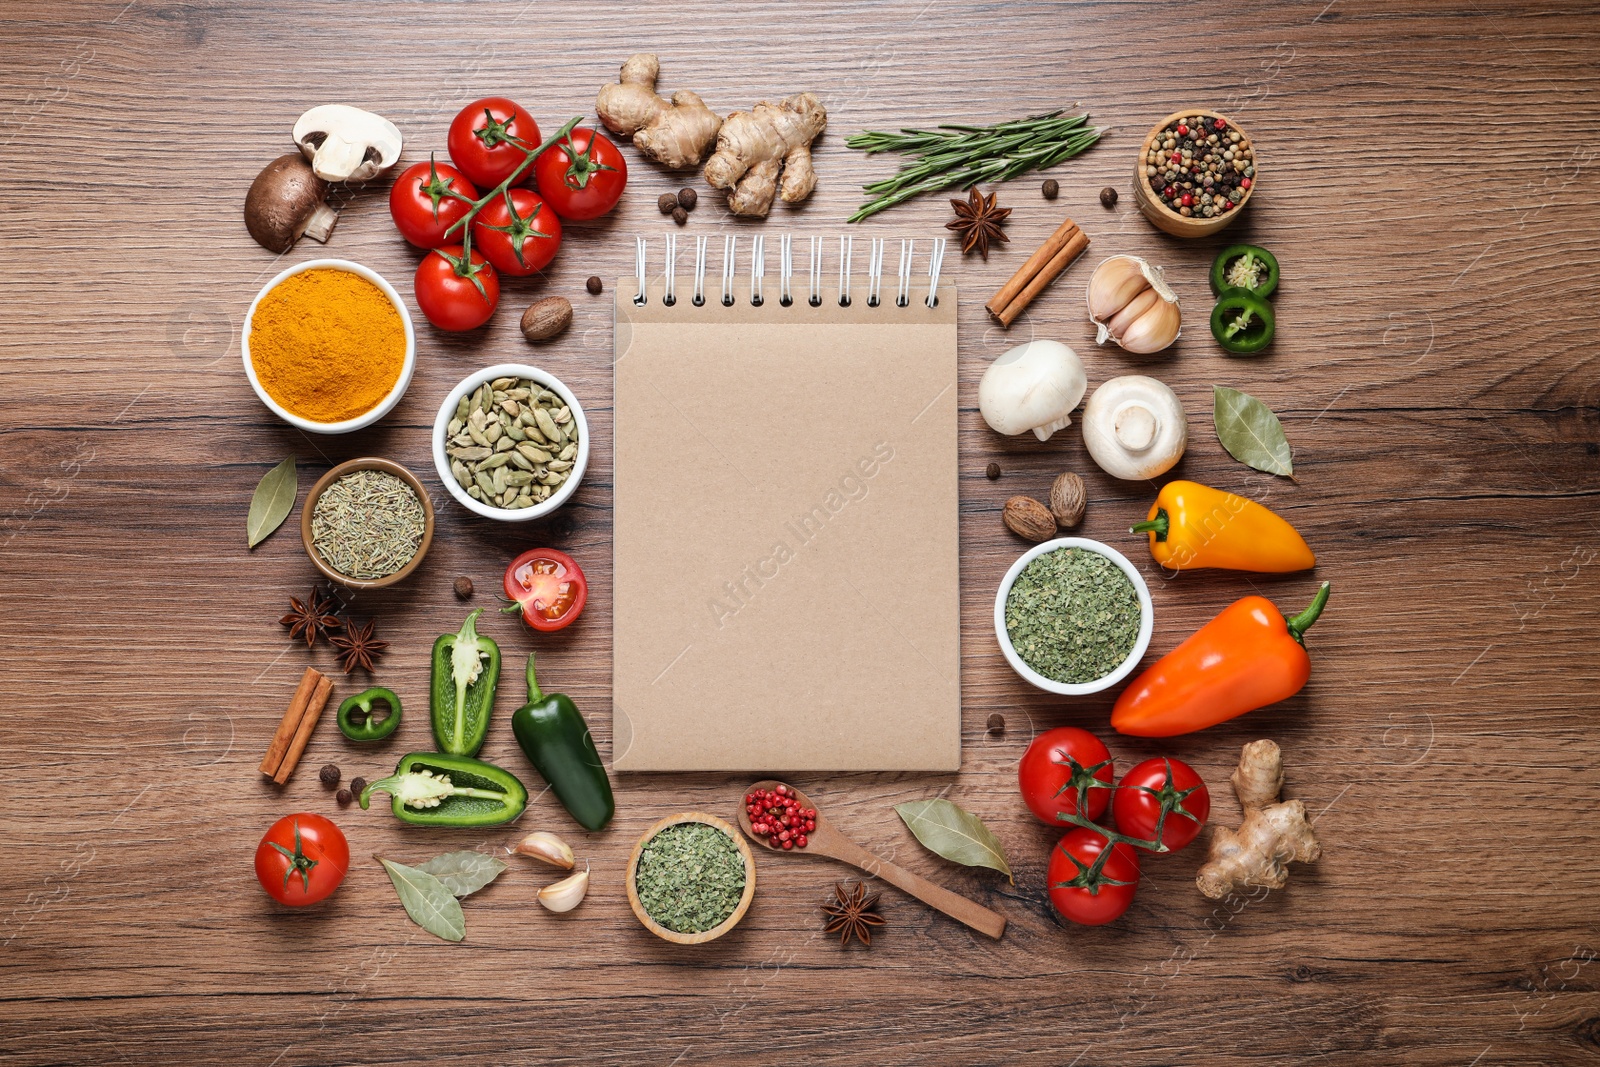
x: 464, y: 873
x: 427, y: 900
x: 954, y: 833
x: 1250, y: 432
x: 271, y: 502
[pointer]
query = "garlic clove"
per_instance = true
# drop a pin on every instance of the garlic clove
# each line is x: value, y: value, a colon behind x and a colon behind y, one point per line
x: 1114, y: 283
x: 545, y: 847
x: 566, y: 894
x: 1119, y: 323
x: 1154, y: 330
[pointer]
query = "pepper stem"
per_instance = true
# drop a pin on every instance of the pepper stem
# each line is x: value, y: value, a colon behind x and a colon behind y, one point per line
x: 1158, y: 525
x: 1302, y: 622
x: 533, y: 683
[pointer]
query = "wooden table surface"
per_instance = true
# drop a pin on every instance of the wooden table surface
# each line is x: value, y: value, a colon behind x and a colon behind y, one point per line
x: 1430, y: 189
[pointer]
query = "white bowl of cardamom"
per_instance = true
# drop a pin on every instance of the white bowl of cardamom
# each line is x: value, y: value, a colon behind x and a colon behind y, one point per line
x: 511, y: 442
x: 328, y: 346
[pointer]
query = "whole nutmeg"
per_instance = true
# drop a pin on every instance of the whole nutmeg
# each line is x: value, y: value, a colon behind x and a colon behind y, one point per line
x: 1029, y: 519
x: 666, y: 202
x: 1051, y: 188
x: 546, y: 318
x: 594, y: 284
x: 680, y: 216
x: 1067, y: 499
x: 463, y: 587
x: 329, y: 775
x: 1108, y: 196
x: 687, y: 198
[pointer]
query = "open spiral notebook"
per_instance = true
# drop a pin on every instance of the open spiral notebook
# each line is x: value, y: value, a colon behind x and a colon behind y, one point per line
x: 786, y: 565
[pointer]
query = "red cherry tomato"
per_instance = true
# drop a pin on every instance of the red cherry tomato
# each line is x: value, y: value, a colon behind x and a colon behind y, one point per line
x: 302, y: 859
x: 582, y: 175
x: 548, y: 587
x: 1061, y: 765
x: 454, y: 294
x: 487, y: 138
x: 1086, y: 888
x: 518, y: 237
x: 422, y: 206
x: 1156, y: 784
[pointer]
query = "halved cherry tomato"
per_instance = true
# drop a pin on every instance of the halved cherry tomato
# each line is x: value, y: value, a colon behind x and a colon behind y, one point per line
x: 487, y: 139
x: 582, y: 175
x: 302, y: 859
x: 548, y: 587
x: 426, y: 201
x: 517, y: 232
x: 454, y: 292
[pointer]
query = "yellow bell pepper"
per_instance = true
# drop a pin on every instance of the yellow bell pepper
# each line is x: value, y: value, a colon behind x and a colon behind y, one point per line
x: 1193, y: 526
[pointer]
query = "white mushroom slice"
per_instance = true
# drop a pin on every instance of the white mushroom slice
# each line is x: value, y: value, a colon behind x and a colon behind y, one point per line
x: 346, y: 144
x: 1135, y: 427
x: 1034, y: 386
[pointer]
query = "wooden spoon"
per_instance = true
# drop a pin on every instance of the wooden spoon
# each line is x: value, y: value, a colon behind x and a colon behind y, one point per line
x: 826, y: 841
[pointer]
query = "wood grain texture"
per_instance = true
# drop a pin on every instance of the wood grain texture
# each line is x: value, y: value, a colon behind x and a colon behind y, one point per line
x: 1433, y: 200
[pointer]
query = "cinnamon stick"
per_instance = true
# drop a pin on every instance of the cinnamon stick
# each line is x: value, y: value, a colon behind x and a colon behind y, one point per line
x: 1070, y: 251
x: 291, y: 722
x: 1026, y: 272
x: 308, y: 722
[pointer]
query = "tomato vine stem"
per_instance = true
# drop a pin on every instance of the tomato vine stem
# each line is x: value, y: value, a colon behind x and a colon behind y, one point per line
x: 464, y: 223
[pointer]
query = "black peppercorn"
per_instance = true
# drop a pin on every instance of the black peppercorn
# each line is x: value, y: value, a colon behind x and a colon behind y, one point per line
x: 358, y: 785
x: 344, y: 797
x: 687, y: 198
x: 1108, y: 196
x: 463, y: 587
x: 993, y: 471
x: 594, y: 284
x: 329, y: 775
x: 1051, y: 188
x: 666, y: 202
x: 680, y: 216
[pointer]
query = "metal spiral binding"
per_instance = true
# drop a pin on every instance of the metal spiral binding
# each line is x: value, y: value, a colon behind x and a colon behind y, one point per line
x: 785, y: 269
x: 669, y: 290
x: 846, y: 247
x: 907, y: 252
x: 758, y: 268
x: 638, y: 266
x: 730, y: 245
x: 935, y: 263
x: 875, y: 272
x: 700, y: 270
x: 815, y: 299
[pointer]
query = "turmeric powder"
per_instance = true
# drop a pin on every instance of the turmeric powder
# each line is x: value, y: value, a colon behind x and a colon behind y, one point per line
x: 327, y: 344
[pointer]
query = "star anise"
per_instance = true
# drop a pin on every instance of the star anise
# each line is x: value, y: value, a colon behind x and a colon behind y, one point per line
x: 312, y: 618
x: 978, y: 222
x: 357, y: 648
x: 852, y: 912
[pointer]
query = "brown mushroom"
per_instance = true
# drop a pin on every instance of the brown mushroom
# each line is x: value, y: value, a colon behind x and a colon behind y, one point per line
x: 287, y: 201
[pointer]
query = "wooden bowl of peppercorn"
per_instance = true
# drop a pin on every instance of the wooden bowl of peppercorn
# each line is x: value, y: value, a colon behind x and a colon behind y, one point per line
x: 1234, y: 179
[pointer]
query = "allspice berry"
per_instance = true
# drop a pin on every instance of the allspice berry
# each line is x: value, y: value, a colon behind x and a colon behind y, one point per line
x: 992, y: 472
x: 463, y: 587
x: 329, y: 775
x: 680, y: 216
x: 1067, y: 499
x: 1051, y: 188
x: 344, y: 797
x: 666, y: 202
x: 687, y: 198
x: 594, y: 284
x: 1108, y: 196
x: 1029, y: 519
x: 358, y: 785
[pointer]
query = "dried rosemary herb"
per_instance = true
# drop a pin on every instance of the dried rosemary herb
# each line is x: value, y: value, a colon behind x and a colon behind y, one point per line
x: 690, y: 877
x: 367, y: 524
x: 1072, y: 615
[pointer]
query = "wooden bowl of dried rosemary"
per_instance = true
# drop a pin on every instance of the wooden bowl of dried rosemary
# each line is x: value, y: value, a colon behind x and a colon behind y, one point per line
x: 367, y: 523
x: 691, y: 878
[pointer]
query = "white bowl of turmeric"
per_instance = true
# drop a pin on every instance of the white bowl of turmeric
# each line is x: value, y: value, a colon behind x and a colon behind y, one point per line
x: 328, y: 346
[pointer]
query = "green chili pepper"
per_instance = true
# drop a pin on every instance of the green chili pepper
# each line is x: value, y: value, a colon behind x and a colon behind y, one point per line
x: 465, y: 670
x: 1245, y: 267
x: 1242, y: 322
x: 355, y: 715
x: 435, y: 789
x: 556, y: 740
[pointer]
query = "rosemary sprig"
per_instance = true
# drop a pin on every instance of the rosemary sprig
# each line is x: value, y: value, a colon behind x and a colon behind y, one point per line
x: 955, y: 156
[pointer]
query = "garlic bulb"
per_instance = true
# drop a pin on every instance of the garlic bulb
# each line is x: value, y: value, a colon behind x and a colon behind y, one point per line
x: 567, y: 893
x: 1135, y: 427
x: 1033, y: 386
x: 1132, y: 305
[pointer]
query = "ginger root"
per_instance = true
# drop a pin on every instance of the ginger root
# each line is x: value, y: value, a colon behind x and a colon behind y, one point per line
x: 1272, y: 834
x: 676, y: 133
x: 754, y: 146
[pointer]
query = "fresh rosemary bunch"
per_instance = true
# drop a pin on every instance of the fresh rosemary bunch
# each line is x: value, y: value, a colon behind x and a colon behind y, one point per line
x: 961, y: 156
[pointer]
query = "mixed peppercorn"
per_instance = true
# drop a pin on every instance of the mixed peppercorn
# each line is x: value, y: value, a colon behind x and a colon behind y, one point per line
x: 1200, y: 166
x: 776, y: 814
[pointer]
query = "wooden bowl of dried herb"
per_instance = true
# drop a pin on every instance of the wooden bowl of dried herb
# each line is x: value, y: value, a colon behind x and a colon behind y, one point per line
x: 367, y: 523
x: 691, y: 878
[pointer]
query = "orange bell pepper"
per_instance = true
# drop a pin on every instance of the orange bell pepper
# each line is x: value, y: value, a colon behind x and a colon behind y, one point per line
x: 1193, y: 526
x: 1246, y: 658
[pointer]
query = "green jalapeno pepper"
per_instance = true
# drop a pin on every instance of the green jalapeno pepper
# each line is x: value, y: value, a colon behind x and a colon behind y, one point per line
x: 466, y: 667
x: 1242, y: 322
x: 557, y: 741
x: 436, y: 789
x: 1245, y: 267
x: 356, y: 720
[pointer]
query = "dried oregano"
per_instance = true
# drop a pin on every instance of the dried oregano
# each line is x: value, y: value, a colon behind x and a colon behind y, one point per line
x: 690, y: 877
x: 1072, y: 615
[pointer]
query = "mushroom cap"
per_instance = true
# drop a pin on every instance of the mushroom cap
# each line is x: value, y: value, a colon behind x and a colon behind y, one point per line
x: 1034, y: 386
x: 1135, y: 427
x: 347, y: 144
x: 282, y: 202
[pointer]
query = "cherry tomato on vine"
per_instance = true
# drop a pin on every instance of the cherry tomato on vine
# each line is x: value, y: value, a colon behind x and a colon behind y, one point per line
x: 1061, y: 767
x: 517, y: 232
x: 302, y: 859
x: 548, y: 587
x: 1158, y: 785
x: 1090, y: 884
x: 454, y: 293
x: 484, y: 138
x: 582, y: 175
x: 423, y: 207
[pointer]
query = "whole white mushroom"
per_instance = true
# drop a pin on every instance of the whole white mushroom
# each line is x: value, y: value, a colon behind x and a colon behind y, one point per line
x: 1034, y: 386
x: 1135, y: 427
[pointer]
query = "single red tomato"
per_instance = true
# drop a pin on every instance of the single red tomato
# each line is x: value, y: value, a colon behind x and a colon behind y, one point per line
x: 1165, y: 797
x: 427, y: 199
x: 1090, y: 884
x: 517, y: 232
x: 456, y: 294
x: 548, y: 587
x: 582, y: 175
x: 302, y: 859
x: 490, y: 138
x: 1066, y: 771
